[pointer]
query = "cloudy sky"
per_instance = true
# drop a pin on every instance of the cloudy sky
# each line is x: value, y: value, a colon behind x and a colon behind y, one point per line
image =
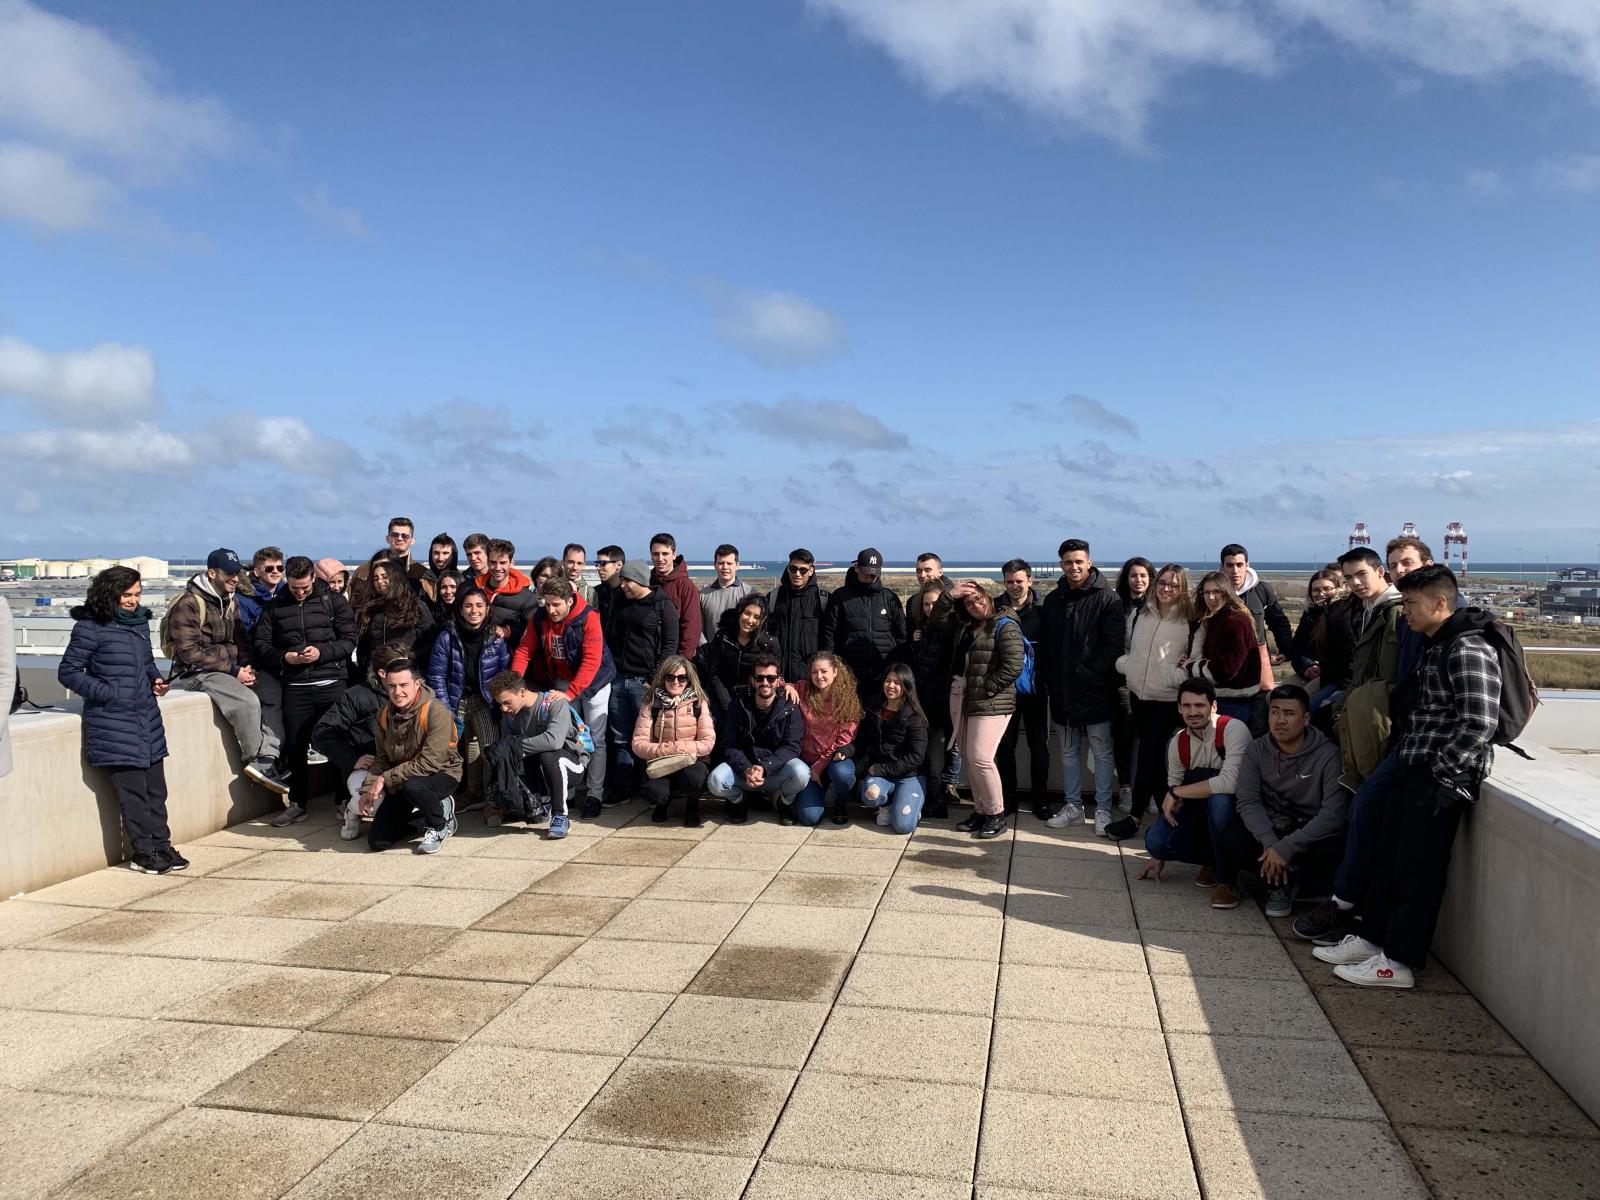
x: 966, y: 275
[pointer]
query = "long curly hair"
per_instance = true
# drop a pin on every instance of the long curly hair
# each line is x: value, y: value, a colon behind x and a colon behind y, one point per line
x: 839, y: 703
x: 105, y: 594
x: 397, y: 601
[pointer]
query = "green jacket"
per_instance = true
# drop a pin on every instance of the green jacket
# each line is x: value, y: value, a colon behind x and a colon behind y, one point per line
x: 994, y: 660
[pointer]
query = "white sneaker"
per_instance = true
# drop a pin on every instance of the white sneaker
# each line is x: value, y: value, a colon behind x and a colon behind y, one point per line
x: 1125, y: 799
x: 1377, y: 971
x: 883, y: 815
x: 1066, y: 816
x: 1353, y: 949
x: 1102, y: 818
x: 350, y: 830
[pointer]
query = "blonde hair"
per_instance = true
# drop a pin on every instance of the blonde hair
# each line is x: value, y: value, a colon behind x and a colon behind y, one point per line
x: 839, y: 703
x: 1183, y: 606
x: 670, y: 666
x: 1230, y: 598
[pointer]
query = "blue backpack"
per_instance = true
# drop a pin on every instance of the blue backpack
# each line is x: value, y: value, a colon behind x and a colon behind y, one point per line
x: 1024, y: 680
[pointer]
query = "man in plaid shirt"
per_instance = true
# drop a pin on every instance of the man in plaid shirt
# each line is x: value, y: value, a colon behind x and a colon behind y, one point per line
x: 1444, y: 755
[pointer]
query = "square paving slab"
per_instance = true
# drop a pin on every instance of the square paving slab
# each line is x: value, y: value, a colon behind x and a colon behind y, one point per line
x: 449, y: 1010
x: 82, y: 1129
x: 337, y: 1075
x: 590, y: 1020
x: 568, y: 916
x: 825, y: 891
x: 1253, y: 1155
x: 398, y: 1163
x: 750, y: 1033
x: 630, y: 966
x: 709, y: 1107
x: 701, y: 921
x: 507, y: 957
x: 577, y: 1170
x: 481, y: 1087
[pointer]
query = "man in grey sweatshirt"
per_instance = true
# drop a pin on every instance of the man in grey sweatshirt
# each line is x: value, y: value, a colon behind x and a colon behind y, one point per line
x: 1289, y: 821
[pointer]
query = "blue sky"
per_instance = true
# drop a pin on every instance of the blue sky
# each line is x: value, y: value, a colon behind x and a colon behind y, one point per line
x: 973, y: 276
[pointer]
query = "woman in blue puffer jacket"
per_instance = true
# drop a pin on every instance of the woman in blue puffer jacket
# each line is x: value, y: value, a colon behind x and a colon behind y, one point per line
x: 109, y: 663
x: 467, y: 653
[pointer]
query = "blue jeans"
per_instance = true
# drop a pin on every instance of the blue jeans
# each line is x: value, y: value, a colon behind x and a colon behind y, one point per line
x: 1350, y: 881
x: 1198, y: 837
x: 787, y: 782
x: 627, y: 698
x: 951, y: 775
x: 1238, y: 709
x: 903, y: 795
x: 838, y: 781
x: 1098, y: 736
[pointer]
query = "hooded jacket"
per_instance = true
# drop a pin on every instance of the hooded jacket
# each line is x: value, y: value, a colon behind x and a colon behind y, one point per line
x: 1266, y: 612
x: 795, y: 619
x: 323, y: 619
x: 252, y: 597
x: 1155, y: 644
x: 642, y: 632
x: 724, y: 664
x: 345, y: 732
x: 682, y: 727
x: 891, y: 747
x: 929, y: 657
x: 685, y: 597
x: 447, y: 665
x: 1289, y: 801
x: 403, y: 750
x: 764, y: 739
x: 1083, y: 637
x: 111, y: 666
x: 1324, y: 637
x: 1375, y: 654
x: 1224, y: 650
x: 570, y: 654
x: 863, y: 624
x: 206, y: 630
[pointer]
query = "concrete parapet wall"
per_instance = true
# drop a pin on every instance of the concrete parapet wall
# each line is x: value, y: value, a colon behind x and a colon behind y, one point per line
x: 1519, y: 925
x: 60, y: 815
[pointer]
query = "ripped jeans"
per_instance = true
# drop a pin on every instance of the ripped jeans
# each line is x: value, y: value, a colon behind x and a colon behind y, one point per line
x: 904, y: 796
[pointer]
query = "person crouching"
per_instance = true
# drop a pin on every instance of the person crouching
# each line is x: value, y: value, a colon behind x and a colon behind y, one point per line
x: 555, y: 744
x: 415, y: 769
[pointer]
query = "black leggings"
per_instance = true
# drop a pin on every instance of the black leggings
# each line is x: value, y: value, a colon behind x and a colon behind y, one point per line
x: 142, y: 795
x: 687, y: 782
x: 1154, y: 723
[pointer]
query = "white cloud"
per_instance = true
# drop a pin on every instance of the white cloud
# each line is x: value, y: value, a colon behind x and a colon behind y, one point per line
x: 1574, y: 173
x: 1103, y: 65
x: 106, y: 384
x: 46, y: 191
x: 1486, y: 182
x: 796, y: 419
x: 281, y: 441
x: 776, y: 329
x: 89, y: 119
x: 143, y: 449
x: 317, y: 204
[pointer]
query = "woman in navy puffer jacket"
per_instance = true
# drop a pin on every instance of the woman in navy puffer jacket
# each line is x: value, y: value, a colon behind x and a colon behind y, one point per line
x: 109, y: 663
x: 468, y: 653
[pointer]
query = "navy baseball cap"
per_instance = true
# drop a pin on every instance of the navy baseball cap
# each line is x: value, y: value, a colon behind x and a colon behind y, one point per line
x: 224, y: 560
x: 870, y: 561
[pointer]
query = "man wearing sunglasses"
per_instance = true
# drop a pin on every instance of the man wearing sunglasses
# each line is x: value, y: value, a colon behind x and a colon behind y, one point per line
x: 397, y: 543
x: 797, y: 604
x: 761, y: 755
x: 255, y: 592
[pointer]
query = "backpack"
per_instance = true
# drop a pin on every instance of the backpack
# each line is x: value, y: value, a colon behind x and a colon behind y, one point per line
x: 1519, y: 696
x: 1183, y: 742
x: 1025, y: 680
x: 422, y: 722
x: 167, y: 648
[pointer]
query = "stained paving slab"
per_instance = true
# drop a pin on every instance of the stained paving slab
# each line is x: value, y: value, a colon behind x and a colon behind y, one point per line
x: 732, y: 1011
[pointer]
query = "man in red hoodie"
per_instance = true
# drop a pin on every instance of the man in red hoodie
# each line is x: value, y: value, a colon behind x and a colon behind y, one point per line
x: 564, y: 650
x: 511, y: 602
x: 671, y: 574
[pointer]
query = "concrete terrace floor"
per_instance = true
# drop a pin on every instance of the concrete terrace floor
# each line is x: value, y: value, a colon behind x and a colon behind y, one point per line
x: 751, y: 1011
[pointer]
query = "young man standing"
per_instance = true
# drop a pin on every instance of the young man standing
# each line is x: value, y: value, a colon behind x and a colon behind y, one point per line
x: 1289, y: 820
x: 1263, y: 604
x: 1082, y: 639
x: 553, y: 753
x: 723, y: 592
x: 644, y: 629
x: 1444, y: 756
x: 671, y: 574
x: 1203, y: 762
x: 929, y: 567
x: 1033, y: 708
x: 210, y: 653
x: 761, y: 753
x: 608, y: 564
x: 476, y: 548
x: 306, y: 637
x: 512, y: 602
x: 415, y: 767
x: 572, y: 562
x: 797, y: 605
x: 863, y: 624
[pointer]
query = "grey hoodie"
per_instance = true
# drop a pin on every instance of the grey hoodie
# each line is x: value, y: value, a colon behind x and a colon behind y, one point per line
x: 1288, y: 801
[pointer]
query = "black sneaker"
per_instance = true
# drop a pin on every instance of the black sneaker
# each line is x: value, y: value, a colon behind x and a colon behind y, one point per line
x: 591, y: 808
x: 612, y: 798
x: 993, y: 826
x: 971, y: 824
x: 1326, y: 924
x: 150, y: 864
x: 658, y: 814
x: 178, y: 861
x: 841, y: 815
x: 1042, y: 810
x: 737, y: 815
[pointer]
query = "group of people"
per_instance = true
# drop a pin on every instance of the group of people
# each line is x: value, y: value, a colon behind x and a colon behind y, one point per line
x: 430, y: 685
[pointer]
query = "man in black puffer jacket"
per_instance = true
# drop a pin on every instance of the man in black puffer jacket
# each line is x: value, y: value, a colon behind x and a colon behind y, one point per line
x: 863, y: 624
x: 305, y: 637
x: 797, y: 604
x: 1083, y: 636
x: 641, y: 631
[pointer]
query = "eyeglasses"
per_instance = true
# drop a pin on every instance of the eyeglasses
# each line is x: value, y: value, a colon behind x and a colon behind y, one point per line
x: 1213, y: 594
x: 795, y: 569
x: 1167, y: 585
x: 677, y: 677
x: 270, y: 569
x: 764, y: 678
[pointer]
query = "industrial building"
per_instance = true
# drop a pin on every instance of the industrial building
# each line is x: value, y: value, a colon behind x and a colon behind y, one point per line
x: 80, y: 568
x: 1571, y: 601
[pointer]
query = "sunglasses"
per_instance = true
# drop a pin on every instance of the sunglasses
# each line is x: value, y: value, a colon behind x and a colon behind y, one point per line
x: 396, y: 535
x: 273, y: 570
x: 794, y: 570
x: 765, y: 678
x: 677, y: 677
x: 602, y: 562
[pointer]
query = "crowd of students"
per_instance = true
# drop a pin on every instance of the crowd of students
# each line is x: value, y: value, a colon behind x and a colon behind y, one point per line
x: 430, y: 685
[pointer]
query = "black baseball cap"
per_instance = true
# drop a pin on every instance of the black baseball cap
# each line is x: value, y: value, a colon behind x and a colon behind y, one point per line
x: 870, y: 560
x: 224, y: 560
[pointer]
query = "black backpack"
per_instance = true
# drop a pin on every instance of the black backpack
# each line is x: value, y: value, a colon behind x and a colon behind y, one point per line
x: 1519, y: 695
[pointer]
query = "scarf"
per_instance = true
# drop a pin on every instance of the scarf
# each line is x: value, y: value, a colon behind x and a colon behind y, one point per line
x: 472, y: 653
x: 139, y: 616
